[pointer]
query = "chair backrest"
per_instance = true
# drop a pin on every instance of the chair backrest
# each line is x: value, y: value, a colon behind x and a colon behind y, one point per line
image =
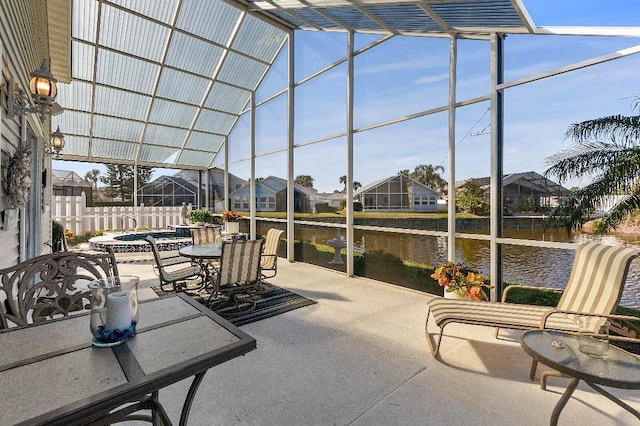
x: 239, y: 263
x: 597, y: 278
x: 58, y: 239
x: 206, y: 234
x: 270, y: 248
x: 156, y: 256
x: 51, y: 285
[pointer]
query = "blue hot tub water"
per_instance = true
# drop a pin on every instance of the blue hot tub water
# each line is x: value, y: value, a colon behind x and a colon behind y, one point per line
x: 158, y: 235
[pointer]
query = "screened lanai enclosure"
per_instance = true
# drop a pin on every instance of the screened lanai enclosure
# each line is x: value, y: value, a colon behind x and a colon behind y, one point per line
x: 168, y: 191
x: 332, y: 89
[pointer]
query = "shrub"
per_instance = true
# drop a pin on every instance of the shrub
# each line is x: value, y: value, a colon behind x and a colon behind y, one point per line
x: 533, y: 297
x: 201, y: 215
x: 324, y: 208
x: 357, y: 206
x: 525, y: 205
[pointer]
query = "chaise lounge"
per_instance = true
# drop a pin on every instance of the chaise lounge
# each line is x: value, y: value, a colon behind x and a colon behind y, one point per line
x: 594, y: 288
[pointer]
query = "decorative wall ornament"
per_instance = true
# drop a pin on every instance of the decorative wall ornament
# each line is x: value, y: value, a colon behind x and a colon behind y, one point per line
x: 18, y: 178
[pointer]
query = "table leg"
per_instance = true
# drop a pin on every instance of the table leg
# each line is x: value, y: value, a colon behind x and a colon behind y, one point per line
x: 615, y: 399
x: 207, y: 280
x: 563, y: 401
x: 184, y: 417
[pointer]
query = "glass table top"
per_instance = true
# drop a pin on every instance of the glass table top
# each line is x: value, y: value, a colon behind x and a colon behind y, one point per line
x: 560, y: 351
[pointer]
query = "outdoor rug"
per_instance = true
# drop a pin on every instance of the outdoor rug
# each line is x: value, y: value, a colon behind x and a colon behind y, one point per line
x: 270, y: 304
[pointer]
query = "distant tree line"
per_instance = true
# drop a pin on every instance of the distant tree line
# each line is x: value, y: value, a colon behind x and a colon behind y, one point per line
x: 119, y: 180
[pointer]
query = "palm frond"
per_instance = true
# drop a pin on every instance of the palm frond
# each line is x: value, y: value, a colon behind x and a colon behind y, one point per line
x: 620, y: 211
x: 579, y: 207
x: 615, y: 127
x: 587, y: 159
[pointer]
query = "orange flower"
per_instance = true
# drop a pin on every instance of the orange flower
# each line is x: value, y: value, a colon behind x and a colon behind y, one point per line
x: 458, y: 278
x: 474, y: 293
x: 231, y: 216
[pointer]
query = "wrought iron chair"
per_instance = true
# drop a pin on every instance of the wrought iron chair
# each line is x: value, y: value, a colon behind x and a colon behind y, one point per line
x: 51, y: 285
x: 239, y: 273
x: 54, y: 285
x: 175, y: 277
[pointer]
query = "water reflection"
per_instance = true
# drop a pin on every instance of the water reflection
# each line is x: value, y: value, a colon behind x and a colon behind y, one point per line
x: 546, y: 267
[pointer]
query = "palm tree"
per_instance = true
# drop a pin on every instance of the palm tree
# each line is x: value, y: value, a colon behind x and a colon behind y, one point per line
x: 304, y: 180
x: 92, y: 177
x: 606, y: 149
x: 343, y: 181
x: 427, y: 175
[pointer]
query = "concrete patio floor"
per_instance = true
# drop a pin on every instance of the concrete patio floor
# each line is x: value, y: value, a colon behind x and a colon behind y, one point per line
x: 359, y: 357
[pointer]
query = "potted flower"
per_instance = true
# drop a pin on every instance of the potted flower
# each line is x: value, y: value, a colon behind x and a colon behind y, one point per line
x: 231, y: 219
x: 460, y: 281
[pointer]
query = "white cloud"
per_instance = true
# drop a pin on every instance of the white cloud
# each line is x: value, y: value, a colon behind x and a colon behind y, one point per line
x: 432, y: 79
x: 401, y: 162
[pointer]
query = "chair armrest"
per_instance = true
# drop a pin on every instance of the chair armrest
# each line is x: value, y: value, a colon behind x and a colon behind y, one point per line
x: 621, y: 324
x: 275, y: 259
x: 175, y: 260
x: 527, y: 287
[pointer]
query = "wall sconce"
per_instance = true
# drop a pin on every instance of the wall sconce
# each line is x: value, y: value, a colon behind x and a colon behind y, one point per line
x: 43, y: 93
x: 57, y: 143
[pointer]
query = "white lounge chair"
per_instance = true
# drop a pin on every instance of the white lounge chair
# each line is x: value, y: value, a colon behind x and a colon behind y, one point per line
x: 594, y: 287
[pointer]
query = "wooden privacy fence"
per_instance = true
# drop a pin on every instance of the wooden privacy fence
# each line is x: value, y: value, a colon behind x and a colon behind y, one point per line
x: 72, y: 213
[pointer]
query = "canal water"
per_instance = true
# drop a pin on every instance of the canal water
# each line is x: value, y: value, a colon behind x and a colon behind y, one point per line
x: 537, y: 266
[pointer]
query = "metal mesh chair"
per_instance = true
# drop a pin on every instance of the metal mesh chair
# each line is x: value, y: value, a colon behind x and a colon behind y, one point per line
x: 177, y: 277
x: 239, y: 273
x: 269, y: 260
x: 206, y: 234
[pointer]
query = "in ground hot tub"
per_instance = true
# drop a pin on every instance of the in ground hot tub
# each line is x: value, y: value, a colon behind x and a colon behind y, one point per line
x: 135, y: 243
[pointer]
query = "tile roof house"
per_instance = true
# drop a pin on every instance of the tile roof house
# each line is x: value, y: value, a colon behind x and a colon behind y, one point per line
x: 397, y: 193
x: 271, y: 195
x: 182, y: 187
x: 525, y: 191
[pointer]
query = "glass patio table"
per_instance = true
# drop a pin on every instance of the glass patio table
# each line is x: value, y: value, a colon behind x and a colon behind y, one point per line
x: 559, y: 351
x: 206, y: 251
x: 203, y: 254
x: 51, y: 374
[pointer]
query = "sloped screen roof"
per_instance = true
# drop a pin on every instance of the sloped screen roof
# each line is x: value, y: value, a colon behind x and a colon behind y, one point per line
x: 162, y: 82
x: 429, y: 17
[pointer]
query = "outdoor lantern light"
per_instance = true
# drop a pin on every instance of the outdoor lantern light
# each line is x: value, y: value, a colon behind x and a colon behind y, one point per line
x: 43, y: 92
x: 43, y: 85
x: 57, y: 142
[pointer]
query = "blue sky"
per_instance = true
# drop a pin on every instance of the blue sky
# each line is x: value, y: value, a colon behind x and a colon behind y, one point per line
x: 408, y: 75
